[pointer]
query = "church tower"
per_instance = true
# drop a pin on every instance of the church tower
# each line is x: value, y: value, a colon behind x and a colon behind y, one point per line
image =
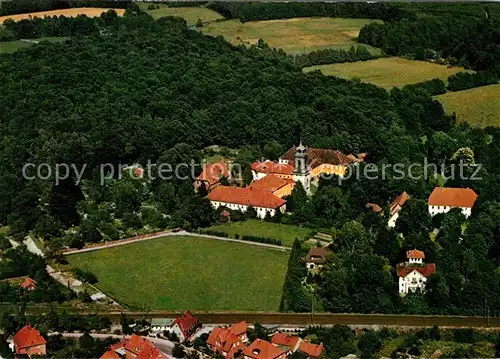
x: 301, y: 171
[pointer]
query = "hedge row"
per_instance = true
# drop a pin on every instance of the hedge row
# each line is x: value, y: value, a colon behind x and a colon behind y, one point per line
x: 267, y: 240
x: 329, y: 56
x: 464, y: 80
x: 433, y: 87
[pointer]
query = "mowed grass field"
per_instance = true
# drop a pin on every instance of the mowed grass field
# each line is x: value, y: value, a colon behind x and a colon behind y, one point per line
x: 12, y: 46
x: 89, y: 11
x: 255, y: 227
x: 388, y: 72
x: 190, y: 14
x: 180, y: 273
x: 478, y: 106
x: 296, y: 35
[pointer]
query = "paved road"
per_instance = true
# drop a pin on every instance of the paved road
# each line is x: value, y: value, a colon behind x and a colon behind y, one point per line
x: 170, y: 234
x: 165, y: 346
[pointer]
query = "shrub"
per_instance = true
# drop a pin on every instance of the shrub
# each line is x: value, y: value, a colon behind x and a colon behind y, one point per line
x: 464, y: 80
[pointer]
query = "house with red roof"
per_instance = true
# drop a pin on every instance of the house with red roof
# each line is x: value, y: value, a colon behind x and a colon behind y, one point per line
x: 287, y: 343
x: 413, y: 273
x: 28, y: 341
x: 211, y: 175
x: 280, y: 187
x: 228, y: 341
x: 28, y: 284
x: 444, y: 199
x: 239, y: 199
x: 261, y: 349
x: 313, y: 351
x: 185, y: 326
x: 135, y: 347
x: 395, y: 208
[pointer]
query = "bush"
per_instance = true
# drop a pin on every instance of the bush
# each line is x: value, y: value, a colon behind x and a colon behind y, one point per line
x: 432, y: 87
x: 328, y: 56
x: 464, y: 80
x: 85, y: 276
x: 211, y: 232
x: 262, y: 240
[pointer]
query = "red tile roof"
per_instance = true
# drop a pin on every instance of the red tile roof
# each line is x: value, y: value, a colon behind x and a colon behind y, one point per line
x: 28, y: 337
x: 272, y: 167
x: 271, y: 183
x: 239, y: 328
x: 312, y: 350
x: 247, y: 196
x: 285, y: 339
x: 141, y: 347
x: 110, y: 354
x: 403, y: 270
x: 319, y: 156
x: 28, y: 283
x: 149, y: 351
x: 136, y: 343
x: 222, y: 339
x: 398, y: 202
x: 374, y: 207
x: 187, y: 321
x: 212, y: 172
x: 452, y: 197
x: 415, y: 253
x: 261, y: 349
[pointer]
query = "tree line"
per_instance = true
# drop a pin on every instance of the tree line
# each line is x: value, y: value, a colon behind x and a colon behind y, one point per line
x: 13, y: 7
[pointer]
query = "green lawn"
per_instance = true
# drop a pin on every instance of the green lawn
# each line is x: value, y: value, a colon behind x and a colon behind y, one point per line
x: 255, y: 227
x: 190, y: 14
x: 388, y: 72
x: 479, y: 106
x: 180, y: 273
x: 296, y: 35
x: 12, y: 46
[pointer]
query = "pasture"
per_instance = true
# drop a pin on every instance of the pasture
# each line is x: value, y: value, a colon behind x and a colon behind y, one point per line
x: 190, y: 14
x: 182, y: 272
x: 12, y: 46
x: 255, y: 227
x: 388, y: 72
x: 296, y: 35
x: 478, y: 106
x: 89, y: 11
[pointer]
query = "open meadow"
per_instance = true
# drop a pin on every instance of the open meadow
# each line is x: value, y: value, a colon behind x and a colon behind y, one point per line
x: 180, y: 273
x: 190, y: 14
x: 89, y: 11
x: 388, y: 72
x: 12, y: 46
x: 478, y: 106
x: 296, y: 35
x: 255, y: 227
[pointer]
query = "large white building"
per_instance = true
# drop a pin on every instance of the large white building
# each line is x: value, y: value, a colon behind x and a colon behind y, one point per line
x: 444, y: 199
x: 413, y: 274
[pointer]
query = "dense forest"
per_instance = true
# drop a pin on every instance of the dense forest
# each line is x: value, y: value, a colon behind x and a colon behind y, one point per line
x: 136, y: 90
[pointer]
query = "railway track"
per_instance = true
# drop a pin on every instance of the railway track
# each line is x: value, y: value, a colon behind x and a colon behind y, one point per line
x: 298, y: 319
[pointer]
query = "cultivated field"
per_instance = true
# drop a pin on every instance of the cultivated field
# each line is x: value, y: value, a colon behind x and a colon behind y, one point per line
x: 179, y: 273
x: 388, y: 72
x: 89, y: 11
x: 190, y: 14
x: 12, y: 46
x: 479, y: 106
x: 255, y: 227
x: 293, y: 35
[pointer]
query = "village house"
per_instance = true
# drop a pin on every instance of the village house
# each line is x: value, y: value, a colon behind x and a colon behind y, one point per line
x: 28, y: 284
x: 316, y: 258
x: 185, y: 326
x: 211, y: 175
x: 262, y: 169
x: 413, y: 274
x: 28, y: 341
x: 313, y: 351
x: 161, y: 324
x: 261, y: 349
x: 135, y: 347
x: 287, y: 343
x: 394, y: 208
x: 239, y: 199
x: 228, y: 341
x: 444, y: 199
